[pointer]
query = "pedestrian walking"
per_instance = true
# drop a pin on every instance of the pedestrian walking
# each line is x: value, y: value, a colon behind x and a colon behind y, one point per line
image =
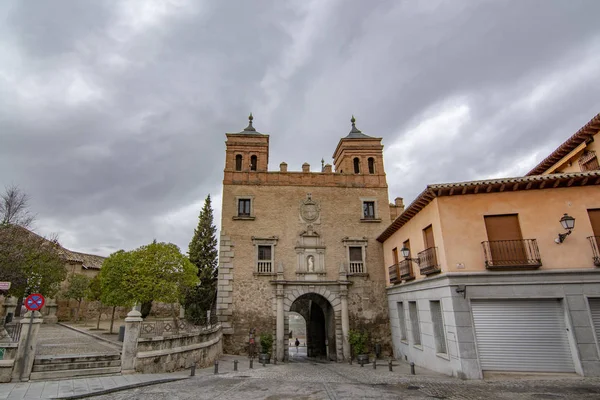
x: 297, y: 344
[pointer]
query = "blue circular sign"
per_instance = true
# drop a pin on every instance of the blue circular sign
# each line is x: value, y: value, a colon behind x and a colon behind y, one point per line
x: 34, y: 302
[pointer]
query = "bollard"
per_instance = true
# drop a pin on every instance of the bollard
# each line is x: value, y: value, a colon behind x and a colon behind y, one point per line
x: 193, y: 370
x: 235, y: 362
x: 374, y: 364
x: 275, y: 361
x: 216, y: 367
x: 361, y: 362
x: 390, y: 365
x: 263, y: 362
x: 412, y: 368
x: 251, y: 360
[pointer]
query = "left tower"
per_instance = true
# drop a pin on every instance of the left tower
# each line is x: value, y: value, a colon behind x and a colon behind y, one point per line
x: 247, y: 151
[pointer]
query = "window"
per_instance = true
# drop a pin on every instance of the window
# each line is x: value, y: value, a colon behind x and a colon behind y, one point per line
x: 356, y: 260
x: 395, y: 255
x: 438, y: 326
x: 371, y: 165
x: 369, y: 209
x: 265, y: 255
x: 356, y: 251
x: 253, y: 162
x: 402, y: 321
x: 238, y: 162
x: 414, y: 322
x: 265, y: 259
x: 356, y: 165
x: 505, y: 241
x: 244, y: 207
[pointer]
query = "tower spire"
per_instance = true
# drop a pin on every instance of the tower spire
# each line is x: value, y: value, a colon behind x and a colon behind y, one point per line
x: 354, y: 128
x: 250, y: 127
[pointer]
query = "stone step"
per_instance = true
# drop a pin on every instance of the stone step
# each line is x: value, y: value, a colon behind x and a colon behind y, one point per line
x: 75, y: 365
x: 72, y: 373
x: 74, y: 358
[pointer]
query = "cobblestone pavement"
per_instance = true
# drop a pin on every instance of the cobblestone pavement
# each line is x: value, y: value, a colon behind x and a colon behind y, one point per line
x: 54, y: 339
x: 310, y: 380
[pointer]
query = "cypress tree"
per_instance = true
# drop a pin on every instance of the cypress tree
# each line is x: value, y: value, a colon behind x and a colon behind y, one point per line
x: 203, y: 253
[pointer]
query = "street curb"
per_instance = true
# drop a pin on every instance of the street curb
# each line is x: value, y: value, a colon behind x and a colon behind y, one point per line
x: 92, y: 335
x: 121, y: 388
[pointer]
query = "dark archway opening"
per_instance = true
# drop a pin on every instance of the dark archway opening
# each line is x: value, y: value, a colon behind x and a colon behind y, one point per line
x: 320, y: 325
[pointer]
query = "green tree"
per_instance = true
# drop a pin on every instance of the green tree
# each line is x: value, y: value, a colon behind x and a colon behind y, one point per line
x: 157, y: 271
x: 94, y: 293
x: 77, y: 289
x: 32, y: 263
x: 203, y: 254
x: 113, y: 291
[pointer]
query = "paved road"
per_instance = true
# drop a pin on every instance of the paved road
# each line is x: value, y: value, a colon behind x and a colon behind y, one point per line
x: 55, y: 339
x: 306, y: 380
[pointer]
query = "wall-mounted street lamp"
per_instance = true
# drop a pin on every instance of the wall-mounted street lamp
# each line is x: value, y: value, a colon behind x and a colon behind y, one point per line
x: 567, y: 223
x: 406, y: 254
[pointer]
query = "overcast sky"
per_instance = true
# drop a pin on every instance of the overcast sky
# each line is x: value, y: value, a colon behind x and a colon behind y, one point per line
x: 113, y: 113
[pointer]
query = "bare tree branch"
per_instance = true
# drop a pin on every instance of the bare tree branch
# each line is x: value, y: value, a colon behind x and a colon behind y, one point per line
x: 14, y: 207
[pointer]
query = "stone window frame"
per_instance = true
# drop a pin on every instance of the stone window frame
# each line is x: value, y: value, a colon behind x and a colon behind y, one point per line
x: 402, y: 322
x: 251, y: 217
x: 264, y: 241
x: 356, y: 242
x: 415, y: 327
x: 375, y: 202
x: 439, y: 331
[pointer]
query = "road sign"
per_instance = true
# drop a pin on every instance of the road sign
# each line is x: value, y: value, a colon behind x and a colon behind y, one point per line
x: 4, y: 285
x: 34, y: 302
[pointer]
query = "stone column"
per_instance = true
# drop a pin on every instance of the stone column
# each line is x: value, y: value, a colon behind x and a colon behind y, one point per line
x: 280, y: 336
x: 280, y: 324
x: 345, y: 324
x: 133, y: 324
x: 51, y: 308
x: 27, y: 346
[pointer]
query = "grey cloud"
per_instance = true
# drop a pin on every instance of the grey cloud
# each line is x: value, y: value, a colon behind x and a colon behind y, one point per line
x: 114, y: 122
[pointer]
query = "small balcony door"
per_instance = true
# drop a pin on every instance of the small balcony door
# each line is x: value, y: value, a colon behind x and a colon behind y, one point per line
x: 505, y: 239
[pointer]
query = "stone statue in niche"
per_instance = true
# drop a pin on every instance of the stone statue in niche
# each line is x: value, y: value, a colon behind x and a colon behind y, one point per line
x: 311, y: 263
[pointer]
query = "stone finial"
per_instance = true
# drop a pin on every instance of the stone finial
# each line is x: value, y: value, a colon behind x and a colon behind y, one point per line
x: 283, y: 167
x: 306, y: 167
x: 250, y: 127
x: 322, y: 164
x: 399, y: 202
x: 327, y: 169
x: 354, y: 128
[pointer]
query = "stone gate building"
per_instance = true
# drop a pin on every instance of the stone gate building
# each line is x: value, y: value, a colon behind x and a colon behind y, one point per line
x: 303, y: 242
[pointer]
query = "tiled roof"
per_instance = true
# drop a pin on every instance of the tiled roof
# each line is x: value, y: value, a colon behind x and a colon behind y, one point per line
x: 581, y: 136
x: 490, y: 186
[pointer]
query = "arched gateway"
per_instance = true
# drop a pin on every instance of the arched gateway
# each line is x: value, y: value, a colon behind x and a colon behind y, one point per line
x: 325, y: 310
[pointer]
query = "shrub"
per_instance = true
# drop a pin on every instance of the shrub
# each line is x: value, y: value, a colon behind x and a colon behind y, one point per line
x: 266, y: 342
x: 358, y: 340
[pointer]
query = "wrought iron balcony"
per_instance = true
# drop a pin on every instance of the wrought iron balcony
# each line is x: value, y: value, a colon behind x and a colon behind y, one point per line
x: 428, y: 261
x: 394, y: 275
x: 595, y: 243
x: 406, y: 270
x: 511, y: 254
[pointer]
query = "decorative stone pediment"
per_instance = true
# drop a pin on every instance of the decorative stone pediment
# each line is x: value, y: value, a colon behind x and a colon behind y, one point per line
x: 310, y: 210
x: 310, y: 253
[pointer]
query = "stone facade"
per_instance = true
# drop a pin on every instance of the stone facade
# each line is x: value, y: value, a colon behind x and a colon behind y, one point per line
x: 286, y: 243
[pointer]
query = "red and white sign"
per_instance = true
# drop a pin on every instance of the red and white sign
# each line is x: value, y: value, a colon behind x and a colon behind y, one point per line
x: 4, y: 285
x: 34, y: 302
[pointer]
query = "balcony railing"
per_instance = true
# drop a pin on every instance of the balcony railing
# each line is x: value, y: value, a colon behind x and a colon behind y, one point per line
x: 265, y: 267
x: 428, y: 261
x: 406, y: 270
x: 595, y: 243
x: 394, y: 275
x: 357, y: 267
x: 511, y: 254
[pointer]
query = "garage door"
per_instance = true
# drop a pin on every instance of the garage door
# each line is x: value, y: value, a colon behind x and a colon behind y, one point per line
x: 595, y: 309
x: 522, y: 335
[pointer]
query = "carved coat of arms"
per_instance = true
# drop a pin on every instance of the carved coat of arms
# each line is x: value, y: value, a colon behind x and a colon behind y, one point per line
x: 309, y: 209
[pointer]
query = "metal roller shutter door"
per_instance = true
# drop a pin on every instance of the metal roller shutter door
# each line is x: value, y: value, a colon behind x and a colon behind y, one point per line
x: 522, y: 335
x: 595, y: 309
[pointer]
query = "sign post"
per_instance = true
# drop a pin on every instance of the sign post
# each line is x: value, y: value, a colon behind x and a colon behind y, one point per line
x: 34, y: 302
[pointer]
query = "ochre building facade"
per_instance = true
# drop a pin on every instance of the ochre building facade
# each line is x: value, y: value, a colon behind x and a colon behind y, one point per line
x: 303, y: 242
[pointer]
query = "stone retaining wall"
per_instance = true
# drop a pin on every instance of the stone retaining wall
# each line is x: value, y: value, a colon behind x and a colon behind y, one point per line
x: 177, y: 352
x: 7, y: 362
